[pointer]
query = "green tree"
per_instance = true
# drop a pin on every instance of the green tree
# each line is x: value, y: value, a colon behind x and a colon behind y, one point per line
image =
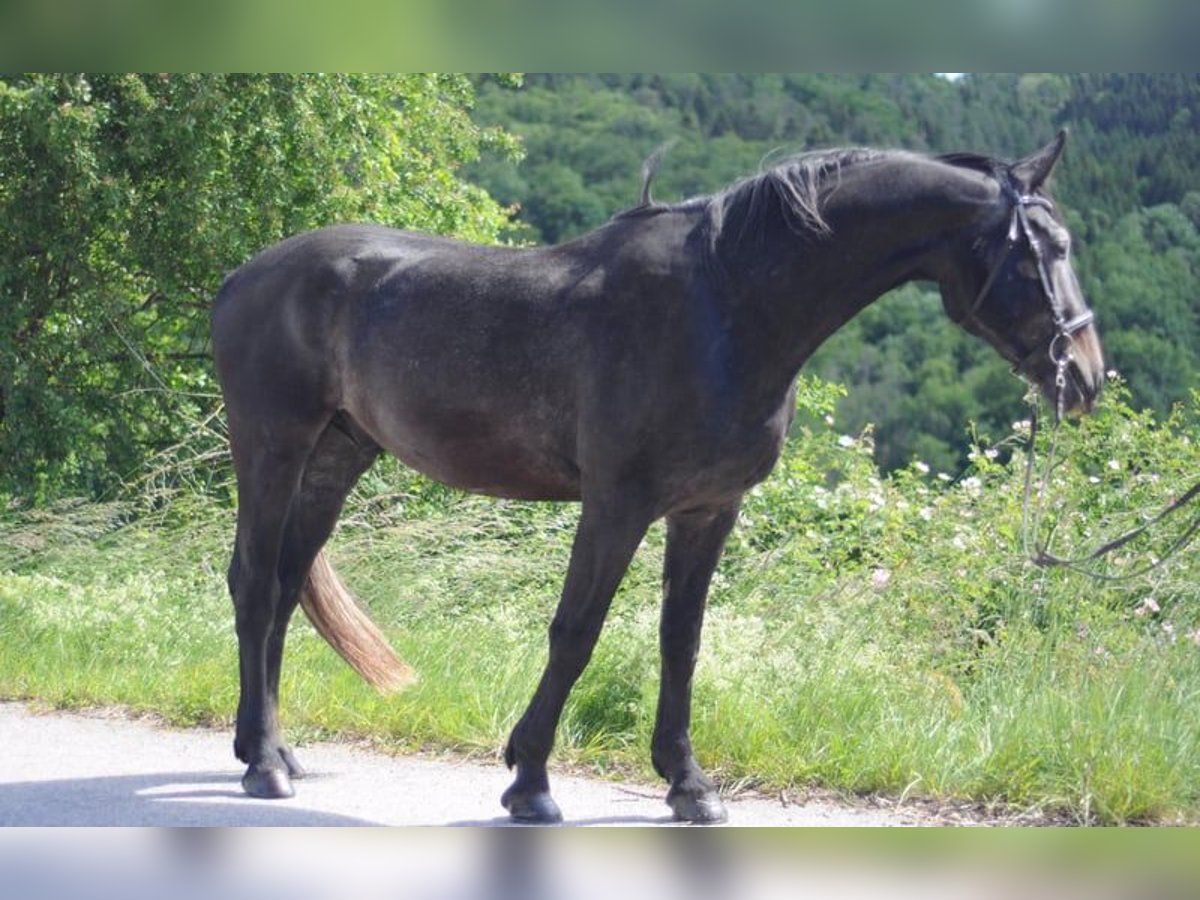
x: 1144, y: 277
x: 125, y: 199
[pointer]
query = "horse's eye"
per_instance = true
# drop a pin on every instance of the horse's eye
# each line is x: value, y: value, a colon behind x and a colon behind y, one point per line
x: 1027, y: 269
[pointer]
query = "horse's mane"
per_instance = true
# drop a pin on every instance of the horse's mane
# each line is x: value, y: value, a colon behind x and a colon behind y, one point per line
x: 797, y: 184
x: 794, y: 184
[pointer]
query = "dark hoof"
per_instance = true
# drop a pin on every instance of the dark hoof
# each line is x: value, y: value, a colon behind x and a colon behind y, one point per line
x: 267, y: 784
x: 532, y: 809
x: 706, y: 809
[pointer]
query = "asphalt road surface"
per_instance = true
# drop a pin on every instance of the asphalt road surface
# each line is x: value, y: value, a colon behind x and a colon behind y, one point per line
x: 103, y: 768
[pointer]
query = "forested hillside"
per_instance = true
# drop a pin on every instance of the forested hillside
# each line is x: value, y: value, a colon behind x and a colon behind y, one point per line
x: 1130, y: 184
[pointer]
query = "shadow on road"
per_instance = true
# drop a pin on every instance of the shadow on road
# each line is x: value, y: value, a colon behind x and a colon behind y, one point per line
x: 505, y: 821
x: 156, y: 799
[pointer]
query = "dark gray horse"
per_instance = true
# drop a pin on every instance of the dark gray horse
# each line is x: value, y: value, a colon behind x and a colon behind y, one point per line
x: 645, y: 369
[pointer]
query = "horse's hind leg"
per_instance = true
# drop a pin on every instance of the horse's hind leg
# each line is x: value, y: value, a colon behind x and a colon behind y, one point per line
x: 694, y: 544
x: 290, y: 491
x: 332, y: 469
x: 270, y: 463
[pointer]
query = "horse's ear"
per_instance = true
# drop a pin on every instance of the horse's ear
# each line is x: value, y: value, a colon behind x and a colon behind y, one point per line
x: 1032, y: 171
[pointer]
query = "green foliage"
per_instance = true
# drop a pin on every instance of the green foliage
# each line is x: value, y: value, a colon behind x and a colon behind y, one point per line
x: 1133, y: 136
x: 127, y: 198
x: 1147, y: 269
x: 916, y: 381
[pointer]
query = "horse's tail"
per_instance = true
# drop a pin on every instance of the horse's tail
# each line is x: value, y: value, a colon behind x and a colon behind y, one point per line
x: 349, y: 630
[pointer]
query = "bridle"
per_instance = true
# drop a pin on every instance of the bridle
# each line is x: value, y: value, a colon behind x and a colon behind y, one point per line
x: 1058, y: 344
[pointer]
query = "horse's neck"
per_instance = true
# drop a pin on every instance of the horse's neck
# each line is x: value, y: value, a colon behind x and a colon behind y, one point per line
x: 888, y: 221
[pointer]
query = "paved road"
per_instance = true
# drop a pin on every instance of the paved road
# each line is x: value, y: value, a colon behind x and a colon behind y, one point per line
x: 104, y: 769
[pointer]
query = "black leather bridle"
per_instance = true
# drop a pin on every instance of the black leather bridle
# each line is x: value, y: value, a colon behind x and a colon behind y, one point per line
x: 1058, y: 344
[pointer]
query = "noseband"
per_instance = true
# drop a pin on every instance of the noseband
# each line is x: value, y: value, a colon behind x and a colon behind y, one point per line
x: 1058, y: 344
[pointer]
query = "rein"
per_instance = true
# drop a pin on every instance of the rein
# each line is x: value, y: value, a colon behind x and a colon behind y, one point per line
x: 1038, y: 551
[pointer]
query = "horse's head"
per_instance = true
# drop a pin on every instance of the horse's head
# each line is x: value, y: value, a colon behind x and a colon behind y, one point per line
x: 1014, y: 286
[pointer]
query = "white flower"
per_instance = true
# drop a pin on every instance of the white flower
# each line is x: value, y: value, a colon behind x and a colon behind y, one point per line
x: 828, y: 420
x: 972, y: 485
x: 926, y: 513
x: 942, y: 476
x: 922, y: 467
x: 1147, y: 606
x: 880, y: 578
x: 1114, y: 464
x: 991, y: 452
x: 845, y: 441
x: 1092, y: 479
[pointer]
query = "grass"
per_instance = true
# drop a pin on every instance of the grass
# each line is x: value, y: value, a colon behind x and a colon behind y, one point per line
x: 864, y: 634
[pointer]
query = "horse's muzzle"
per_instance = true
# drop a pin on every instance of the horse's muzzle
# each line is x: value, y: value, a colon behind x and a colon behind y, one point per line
x: 1082, y: 376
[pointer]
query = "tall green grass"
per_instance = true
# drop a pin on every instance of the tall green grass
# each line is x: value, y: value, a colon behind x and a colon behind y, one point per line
x: 865, y: 634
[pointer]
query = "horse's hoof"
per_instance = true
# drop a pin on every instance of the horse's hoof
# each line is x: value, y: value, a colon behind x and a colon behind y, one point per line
x: 532, y: 809
x: 267, y: 784
x: 705, y: 809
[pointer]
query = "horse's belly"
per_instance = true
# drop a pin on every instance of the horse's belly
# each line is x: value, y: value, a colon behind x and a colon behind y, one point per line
x: 487, y: 429
x: 493, y: 470
x: 483, y: 459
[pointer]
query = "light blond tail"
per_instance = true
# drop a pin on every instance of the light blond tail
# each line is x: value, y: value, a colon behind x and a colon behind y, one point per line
x: 349, y: 630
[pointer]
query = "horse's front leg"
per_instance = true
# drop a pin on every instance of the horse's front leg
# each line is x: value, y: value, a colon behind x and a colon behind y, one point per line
x: 694, y: 544
x: 608, y: 535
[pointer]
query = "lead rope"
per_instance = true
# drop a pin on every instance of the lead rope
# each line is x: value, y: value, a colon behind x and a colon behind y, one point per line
x: 1038, y: 551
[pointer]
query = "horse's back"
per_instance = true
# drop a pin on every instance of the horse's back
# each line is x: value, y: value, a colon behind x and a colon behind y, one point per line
x: 295, y: 305
x: 453, y: 356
